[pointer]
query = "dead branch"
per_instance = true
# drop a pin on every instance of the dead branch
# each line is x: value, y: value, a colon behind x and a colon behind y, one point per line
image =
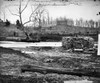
x: 25, y: 6
x: 13, y: 13
x: 32, y: 14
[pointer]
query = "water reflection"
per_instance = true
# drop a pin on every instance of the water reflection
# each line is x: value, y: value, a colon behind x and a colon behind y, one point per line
x: 25, y: 44
x: 82, y: 81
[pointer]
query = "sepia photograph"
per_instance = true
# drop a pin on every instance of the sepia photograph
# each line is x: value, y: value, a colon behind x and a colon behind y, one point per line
x: 49, y: 41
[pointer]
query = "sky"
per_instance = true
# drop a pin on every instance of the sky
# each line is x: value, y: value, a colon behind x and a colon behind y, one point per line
x: 86, y: 10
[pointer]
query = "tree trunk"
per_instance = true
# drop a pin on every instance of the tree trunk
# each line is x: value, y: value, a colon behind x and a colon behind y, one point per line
x: 26, y: 34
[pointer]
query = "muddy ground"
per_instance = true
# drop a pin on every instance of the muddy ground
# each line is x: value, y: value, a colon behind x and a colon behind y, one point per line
x: 12, y: 60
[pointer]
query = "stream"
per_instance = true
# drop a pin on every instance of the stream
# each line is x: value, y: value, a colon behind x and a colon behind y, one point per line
x: 9, y: 44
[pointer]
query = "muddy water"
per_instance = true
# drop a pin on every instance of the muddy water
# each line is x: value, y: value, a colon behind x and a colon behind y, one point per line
x: 10, y: 44
x: 82, y: 81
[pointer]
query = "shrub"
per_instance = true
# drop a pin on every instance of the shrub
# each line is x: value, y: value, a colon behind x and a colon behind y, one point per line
x: 7, y: 23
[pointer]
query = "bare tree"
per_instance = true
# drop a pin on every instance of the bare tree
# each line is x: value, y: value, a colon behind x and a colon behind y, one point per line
x: 40, y: 15
x: 19, y: 14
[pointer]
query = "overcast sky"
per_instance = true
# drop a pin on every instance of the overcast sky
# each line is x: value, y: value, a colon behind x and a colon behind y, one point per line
x: 86, y: 10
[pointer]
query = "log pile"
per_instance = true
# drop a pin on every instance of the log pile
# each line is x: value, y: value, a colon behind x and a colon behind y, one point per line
x: 77, y: 42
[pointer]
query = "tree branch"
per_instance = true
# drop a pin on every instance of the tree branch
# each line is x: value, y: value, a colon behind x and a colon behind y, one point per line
x: 32, y: 14
x: 25, y: 6
x: 13, y: 13
x: 20, y: 7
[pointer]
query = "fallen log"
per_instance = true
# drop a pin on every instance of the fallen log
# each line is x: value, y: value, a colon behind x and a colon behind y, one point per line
x: 45, y: 70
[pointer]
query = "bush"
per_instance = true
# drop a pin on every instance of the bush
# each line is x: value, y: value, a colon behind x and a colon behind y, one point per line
x: 7, y: 23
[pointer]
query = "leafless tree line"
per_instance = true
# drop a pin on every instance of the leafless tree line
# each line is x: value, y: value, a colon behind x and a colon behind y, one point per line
x: 79, y: 22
